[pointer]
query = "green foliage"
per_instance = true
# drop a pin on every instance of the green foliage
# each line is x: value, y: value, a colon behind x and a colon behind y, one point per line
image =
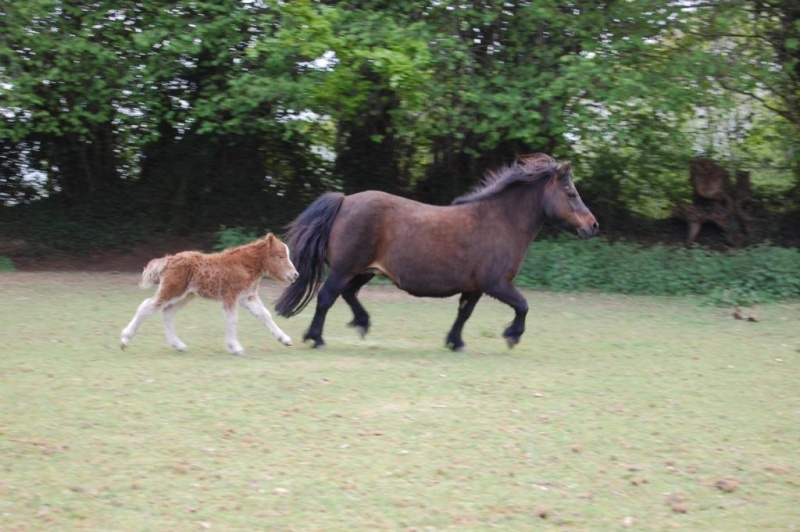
x: 52, y: 227
x: 391, y: 95
x: 753, y: 275
x: 228, y: 237
x: 6, y: 265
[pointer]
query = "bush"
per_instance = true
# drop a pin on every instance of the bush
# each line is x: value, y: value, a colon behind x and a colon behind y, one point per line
x: 752, y: 275
x: 6, y: 265
x: 228, y: 237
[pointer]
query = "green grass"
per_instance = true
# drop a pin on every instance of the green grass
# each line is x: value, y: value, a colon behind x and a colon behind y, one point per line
x: 613, y: 411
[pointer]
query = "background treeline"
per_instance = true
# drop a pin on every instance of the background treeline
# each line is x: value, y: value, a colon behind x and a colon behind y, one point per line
x: 120, y: 120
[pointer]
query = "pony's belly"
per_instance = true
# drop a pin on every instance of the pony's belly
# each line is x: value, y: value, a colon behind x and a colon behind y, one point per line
x: 423, y: 281
x: 432, y: 286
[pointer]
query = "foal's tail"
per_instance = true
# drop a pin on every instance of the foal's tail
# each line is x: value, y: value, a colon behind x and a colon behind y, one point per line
x: 152, y: 272
x: 307, y: 237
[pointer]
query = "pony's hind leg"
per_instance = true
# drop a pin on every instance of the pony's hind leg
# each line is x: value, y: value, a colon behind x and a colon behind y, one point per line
x: 509, y: 295
x: 169, y: 312
x: 256, y: 307
x: 465, y: 307
x: 146, y: 309
x: 350, y: 295
x: 330, y: 290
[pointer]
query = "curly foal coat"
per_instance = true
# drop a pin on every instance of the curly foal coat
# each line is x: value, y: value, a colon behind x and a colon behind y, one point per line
x: 231, y: 276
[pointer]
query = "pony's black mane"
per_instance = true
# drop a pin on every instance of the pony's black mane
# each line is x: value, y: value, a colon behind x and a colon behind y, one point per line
x: 527, y: 169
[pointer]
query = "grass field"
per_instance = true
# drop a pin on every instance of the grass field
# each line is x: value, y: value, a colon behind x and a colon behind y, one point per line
x: 613, y: 412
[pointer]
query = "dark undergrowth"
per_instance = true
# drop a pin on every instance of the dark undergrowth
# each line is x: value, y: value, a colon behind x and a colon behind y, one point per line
x: 755, y: 274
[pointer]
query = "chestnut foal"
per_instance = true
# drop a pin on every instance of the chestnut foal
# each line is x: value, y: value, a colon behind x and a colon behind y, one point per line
x: 231, y: 276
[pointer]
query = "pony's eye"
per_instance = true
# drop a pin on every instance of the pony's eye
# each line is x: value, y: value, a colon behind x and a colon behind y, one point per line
x: 572, y: 194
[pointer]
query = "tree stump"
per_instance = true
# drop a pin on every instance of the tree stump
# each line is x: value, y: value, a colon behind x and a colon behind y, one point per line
x: 718, y: 201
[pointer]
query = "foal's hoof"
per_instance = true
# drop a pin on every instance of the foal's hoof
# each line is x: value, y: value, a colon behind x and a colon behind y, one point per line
x: 235, y: 349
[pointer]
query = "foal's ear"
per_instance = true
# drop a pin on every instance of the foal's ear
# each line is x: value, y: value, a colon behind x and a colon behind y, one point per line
x: 270, y: 238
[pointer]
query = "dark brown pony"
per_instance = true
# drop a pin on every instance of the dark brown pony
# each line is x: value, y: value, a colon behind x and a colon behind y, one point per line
x: 472, y: 247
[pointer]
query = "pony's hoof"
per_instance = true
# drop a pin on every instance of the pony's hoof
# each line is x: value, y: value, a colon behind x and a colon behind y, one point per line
x: 124, y: 342
x: 456, y: 346
x: 180, y: 347
x: 287, y: 341
x: 362, y: 330
x: 511, y: 341
x: 317, y: 340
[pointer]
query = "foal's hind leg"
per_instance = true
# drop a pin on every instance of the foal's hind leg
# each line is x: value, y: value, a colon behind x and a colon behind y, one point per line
x: 465, y: 307
x: 253, y: 304
x: 168, y: 314
x: 330, y: 290
x: 350, y: 293
x: 511, y: 296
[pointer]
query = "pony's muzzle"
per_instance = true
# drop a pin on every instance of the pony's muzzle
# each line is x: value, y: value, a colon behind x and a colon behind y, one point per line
x: 588, y: 231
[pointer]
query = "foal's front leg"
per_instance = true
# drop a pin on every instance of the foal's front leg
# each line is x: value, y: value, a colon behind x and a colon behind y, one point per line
x: 256, y: 307
x: 147, y: 308
x: 231, y: 317
x: 169, y: 313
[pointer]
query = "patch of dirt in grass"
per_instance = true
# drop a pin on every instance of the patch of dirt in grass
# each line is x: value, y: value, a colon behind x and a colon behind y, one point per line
x: 114, y: 260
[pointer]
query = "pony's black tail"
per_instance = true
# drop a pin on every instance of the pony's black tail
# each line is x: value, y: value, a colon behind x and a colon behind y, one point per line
x: 307, y: 239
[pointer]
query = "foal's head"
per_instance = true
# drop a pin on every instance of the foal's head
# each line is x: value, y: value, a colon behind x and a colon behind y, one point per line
x: 563, y: 205
x: 278, y: 262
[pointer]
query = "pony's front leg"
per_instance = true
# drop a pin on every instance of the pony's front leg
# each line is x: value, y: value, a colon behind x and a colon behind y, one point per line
x: 256, y: 307
x: 465, y: 307
x: 146, y: 309
x: 169, y: 313
x: 509, y: 295
x: 231, y: 317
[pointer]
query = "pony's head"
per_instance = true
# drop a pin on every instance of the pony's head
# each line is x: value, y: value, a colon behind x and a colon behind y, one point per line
x: 563, y: 205
x: 279, y: 263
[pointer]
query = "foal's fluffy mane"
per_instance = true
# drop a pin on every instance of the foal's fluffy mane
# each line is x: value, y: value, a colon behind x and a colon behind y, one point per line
x: 527, y: 169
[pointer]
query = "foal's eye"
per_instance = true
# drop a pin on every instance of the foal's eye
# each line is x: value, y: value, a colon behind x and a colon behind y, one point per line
x: 572, y: 194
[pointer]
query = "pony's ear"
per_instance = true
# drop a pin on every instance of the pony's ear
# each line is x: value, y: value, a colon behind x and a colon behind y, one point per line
x: 269, y: 238
x: 564, y: 170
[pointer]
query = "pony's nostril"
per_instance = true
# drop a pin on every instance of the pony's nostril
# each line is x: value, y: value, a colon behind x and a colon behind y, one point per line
x: 595, y: 226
